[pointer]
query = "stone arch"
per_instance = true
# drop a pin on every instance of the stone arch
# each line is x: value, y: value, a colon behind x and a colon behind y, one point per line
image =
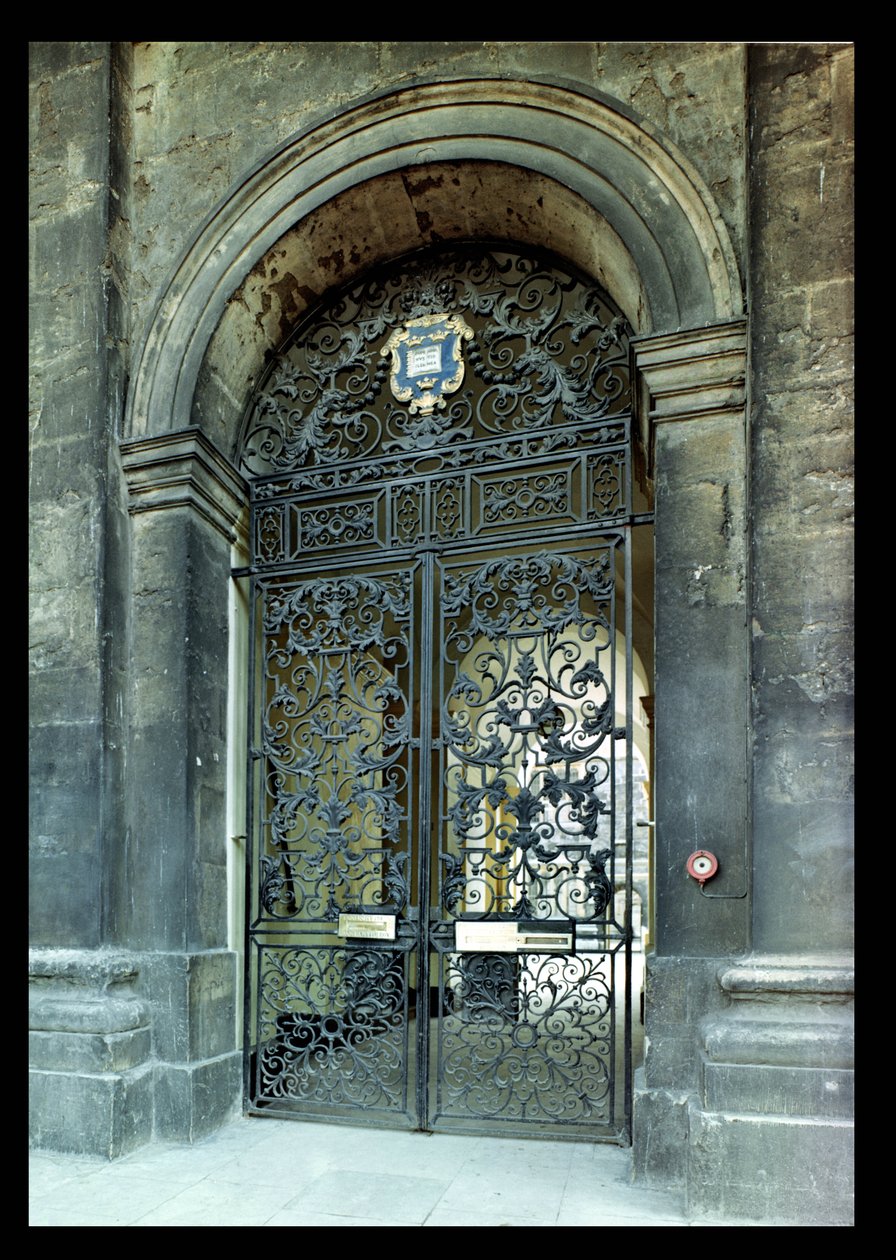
x: 595, y: 160
x: 616, y: 200
x: 378, y: 221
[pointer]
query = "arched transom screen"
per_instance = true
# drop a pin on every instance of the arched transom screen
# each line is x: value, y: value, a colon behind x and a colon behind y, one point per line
x: 532, y: 346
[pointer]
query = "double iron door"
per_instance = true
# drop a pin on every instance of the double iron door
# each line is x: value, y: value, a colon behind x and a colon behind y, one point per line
x: 439, y: 865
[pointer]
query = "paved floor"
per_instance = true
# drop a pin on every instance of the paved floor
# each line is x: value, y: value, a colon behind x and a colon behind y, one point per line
x: 285, y: 1172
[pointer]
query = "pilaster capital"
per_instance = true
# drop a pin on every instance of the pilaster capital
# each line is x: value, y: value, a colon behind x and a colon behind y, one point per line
x: 184, y: 469
x: 693, y: 374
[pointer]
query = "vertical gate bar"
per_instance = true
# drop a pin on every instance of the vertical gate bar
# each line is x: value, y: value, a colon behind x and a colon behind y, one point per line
x: 424, y: 836
x: 629, y: 802
x: 249, y: 987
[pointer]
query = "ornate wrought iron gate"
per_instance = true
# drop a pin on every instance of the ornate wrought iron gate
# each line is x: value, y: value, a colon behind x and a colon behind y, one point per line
x: 439, y: 866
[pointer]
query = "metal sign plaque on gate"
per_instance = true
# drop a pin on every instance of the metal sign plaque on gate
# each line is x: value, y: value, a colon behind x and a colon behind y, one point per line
x: 514, y: 938
x: 368, y: 927
x: 426, y: 360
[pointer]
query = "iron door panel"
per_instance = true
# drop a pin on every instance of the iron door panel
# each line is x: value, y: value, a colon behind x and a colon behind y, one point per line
x: 438, y: 733
x: 530, y: 830
x: 336, y: 801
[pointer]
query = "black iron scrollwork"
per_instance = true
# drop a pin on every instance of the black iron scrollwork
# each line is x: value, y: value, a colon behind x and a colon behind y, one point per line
x: 460, y: 556
x: 524, y: 735
x: 336, y: 739
x: 547, y: 351
x: 332, y: 1027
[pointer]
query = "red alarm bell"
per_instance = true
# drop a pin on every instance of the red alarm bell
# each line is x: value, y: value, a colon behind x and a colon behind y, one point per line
x: 702, y: 865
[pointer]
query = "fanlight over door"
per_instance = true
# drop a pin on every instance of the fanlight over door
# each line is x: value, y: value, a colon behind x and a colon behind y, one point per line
x: 440, y: 763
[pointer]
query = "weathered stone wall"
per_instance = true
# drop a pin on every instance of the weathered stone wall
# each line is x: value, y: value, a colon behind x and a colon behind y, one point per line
x: 801, y: 303
x: 774, y: 1099
x: 132, y: 147
x: 206, y: 113
x: 71, y: 420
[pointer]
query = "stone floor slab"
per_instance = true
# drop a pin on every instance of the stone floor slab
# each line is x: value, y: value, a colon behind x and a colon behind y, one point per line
x: 119, y: 1199
x: 320, y: 1220
x: 216, y: 1204
x: 379, y: 1196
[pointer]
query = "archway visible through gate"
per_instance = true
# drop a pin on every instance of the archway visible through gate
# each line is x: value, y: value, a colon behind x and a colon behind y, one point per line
x: 441, y: 769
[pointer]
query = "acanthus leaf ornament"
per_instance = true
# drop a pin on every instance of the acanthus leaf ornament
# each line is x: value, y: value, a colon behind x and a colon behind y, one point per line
x: 427, y: 364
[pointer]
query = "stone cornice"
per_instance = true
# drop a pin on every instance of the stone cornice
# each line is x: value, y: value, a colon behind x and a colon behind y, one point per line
x: 184, y: 469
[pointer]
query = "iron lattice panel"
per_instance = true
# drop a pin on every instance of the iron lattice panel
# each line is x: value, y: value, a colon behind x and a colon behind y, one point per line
x: 484, y: 501
x: 527, y: 667
x: 332, y: 1028
x: 337, y: 680
x: 526, y: 1041
x: 527, y: 661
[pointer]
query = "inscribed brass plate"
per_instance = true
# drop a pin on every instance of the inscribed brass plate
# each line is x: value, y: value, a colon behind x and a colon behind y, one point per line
x: 368, y: 926
x: 511, y: 938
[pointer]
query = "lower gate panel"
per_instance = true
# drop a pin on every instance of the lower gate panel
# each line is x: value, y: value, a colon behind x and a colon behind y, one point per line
x: 333, y: 1030
x: 526, y: 1043
x: 441, y: 782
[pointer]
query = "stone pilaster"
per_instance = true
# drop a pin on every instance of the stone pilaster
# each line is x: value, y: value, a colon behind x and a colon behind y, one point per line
x: 802, y: 364
x: 748, y: 1066
x: 186, y: 503
x: 690, y: 394
x: 690, y: 401
x: 69, y: 409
